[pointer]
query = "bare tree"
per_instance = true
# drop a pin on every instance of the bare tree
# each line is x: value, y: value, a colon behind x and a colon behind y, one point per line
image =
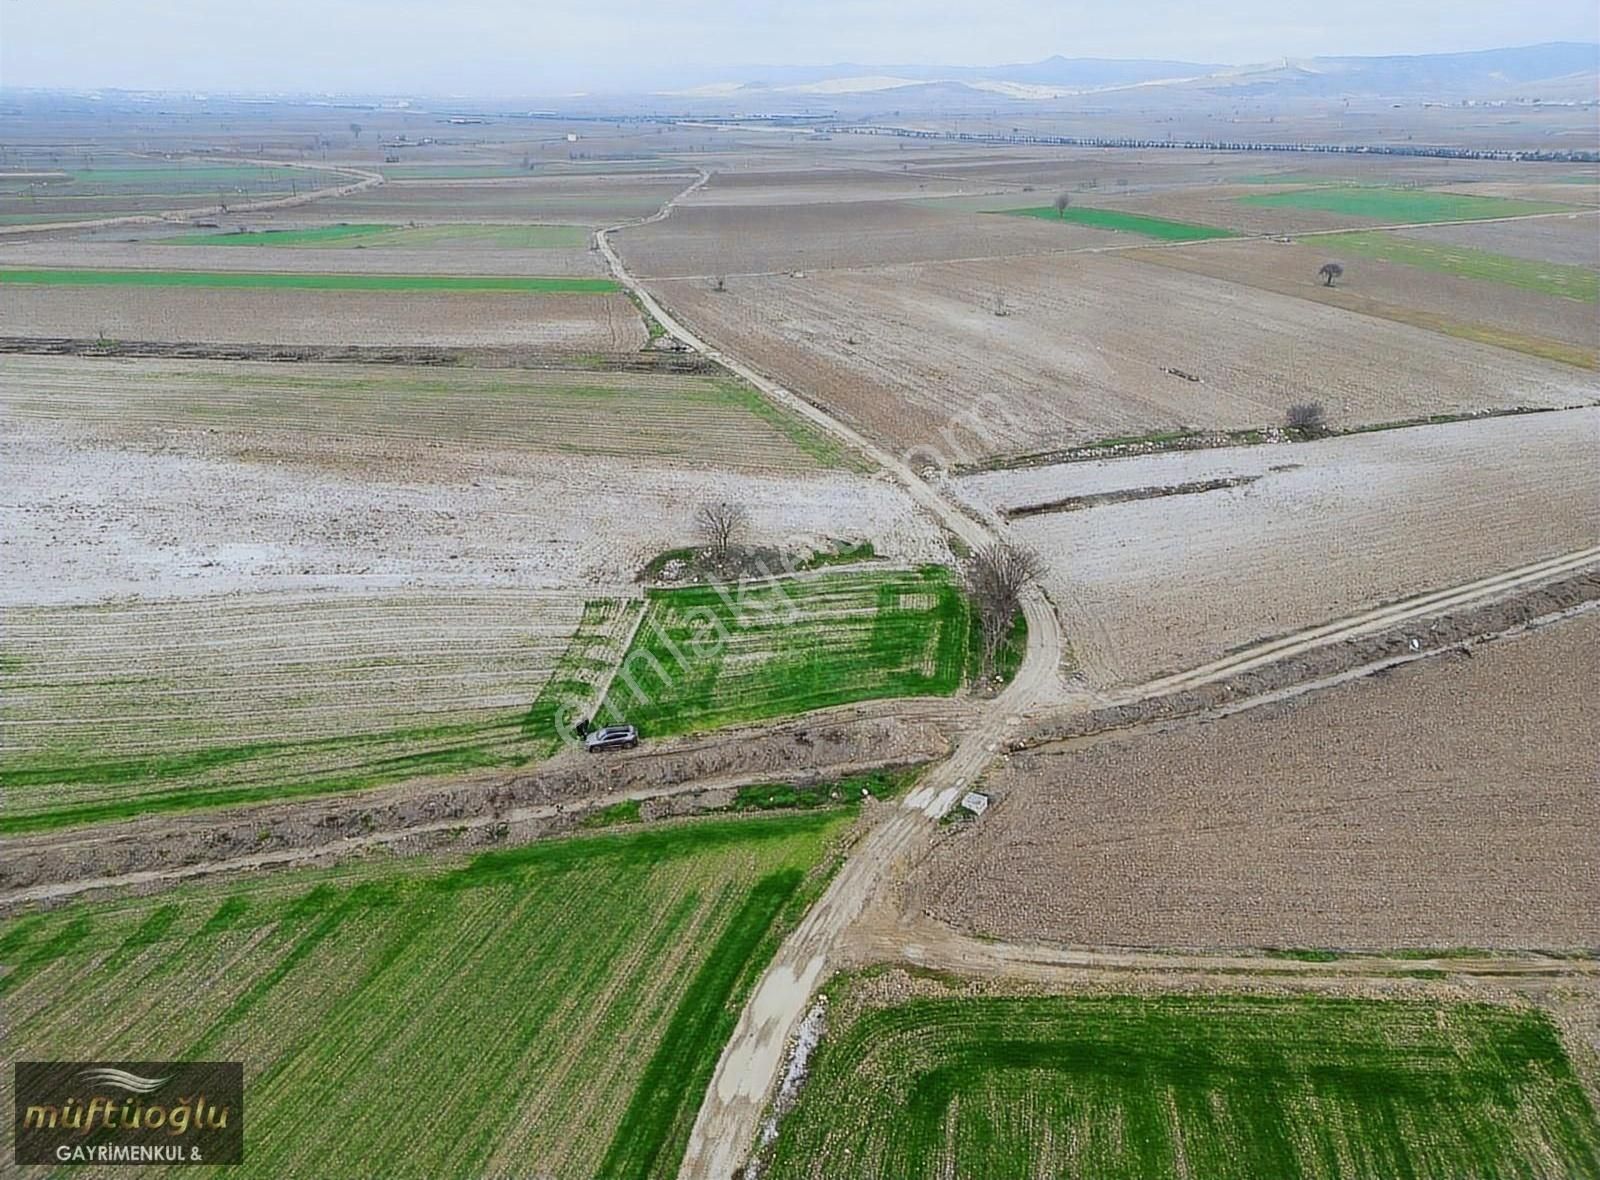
x: 1306, y: 418
x: 998, y: 304
x: 996, y: 576
x: 720, y: 523
x: 355, y: 130
x: 1063, y: 203
x: 1329, y: 272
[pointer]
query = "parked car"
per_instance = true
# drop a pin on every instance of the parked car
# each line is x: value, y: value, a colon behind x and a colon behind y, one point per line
x: 612, y: 737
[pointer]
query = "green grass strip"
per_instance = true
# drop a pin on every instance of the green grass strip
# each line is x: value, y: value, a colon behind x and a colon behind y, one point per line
x: 1135, y: 223
x: 1400, y: 204
x: 1547, y: 278
x: 655, y: 1127
x: 306, y: 282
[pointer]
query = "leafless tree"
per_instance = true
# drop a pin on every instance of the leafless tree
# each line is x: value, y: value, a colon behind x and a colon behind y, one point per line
x: 999, y: 305
x: 996, y: 576
x: 1063, y: 203
x: 355, y: 130
x: 1306, y: 418
x: 720, y: 523
x: 1329, y: 272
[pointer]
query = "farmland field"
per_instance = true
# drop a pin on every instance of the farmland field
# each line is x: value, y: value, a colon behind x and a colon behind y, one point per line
x: 280, y: 280
x: 1569, y: 282
x: 1174, y: 1086
x: 1155, y: 585
x: 1400, y: 204
x: 1563, y: 240
x: 706, y: 657
x: 261, y: 410
x: 204, y: 478
x: 571, y: 200
x: 470, y: 237
x: 917, y: 358
x: 561, y: 1005
x: 1428, y: 787
x: 69, y: 190
x: 120, y: 709
x: 580, y: 322
x: 1113, y: 219
x: 742, y: 239
x: 1414, y: 283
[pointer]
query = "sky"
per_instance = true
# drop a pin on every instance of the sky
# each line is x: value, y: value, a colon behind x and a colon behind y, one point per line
x: 506, y: 47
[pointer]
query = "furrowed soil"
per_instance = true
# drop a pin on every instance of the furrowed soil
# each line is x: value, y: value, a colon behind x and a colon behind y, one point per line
x: 1540, y: 323
x: 1326, y: 529
x: 739, y: 239
x: 566, y: 200
x: 1448, y: 803
x: 569, y: 323
x: 1574, y: 241
x: 565, y: 1002
x: 1182, y: 1085
x: 353, y: 257
x: 918, y: 358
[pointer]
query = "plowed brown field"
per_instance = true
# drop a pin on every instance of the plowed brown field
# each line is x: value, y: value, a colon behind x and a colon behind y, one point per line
x: 917, y: 357
x: 1450, y: 803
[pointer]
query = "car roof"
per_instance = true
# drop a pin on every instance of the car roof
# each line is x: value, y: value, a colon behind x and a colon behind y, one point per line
x: 610, y: 729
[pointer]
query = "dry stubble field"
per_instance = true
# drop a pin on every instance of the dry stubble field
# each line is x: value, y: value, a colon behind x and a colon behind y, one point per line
x: 1523, y: 319
x: 582, y: 323
x: 916, y: 355
x: 1446, y: 804
x: 112, y: 250
x: 1329, y: 528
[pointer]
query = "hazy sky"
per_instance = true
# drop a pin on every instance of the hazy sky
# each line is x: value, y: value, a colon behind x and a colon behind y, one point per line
x: 545, y: 46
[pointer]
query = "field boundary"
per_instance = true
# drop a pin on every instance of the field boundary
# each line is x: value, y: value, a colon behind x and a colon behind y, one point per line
x: 644, y: 361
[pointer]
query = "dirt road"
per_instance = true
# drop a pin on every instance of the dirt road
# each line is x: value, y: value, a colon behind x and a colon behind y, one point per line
x: 363, y: 180
x: 731, y: 1112
x: 1366, y: 623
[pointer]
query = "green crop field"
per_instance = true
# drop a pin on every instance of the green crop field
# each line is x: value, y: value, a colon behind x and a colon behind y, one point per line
x: 1224, y: 1087
x: 686, y: 417
x: 1135, y: 223
x: 317, y: 282
x: 127, y: 709
x: 1548, y: 278
x: 551, y: 1010
x: 705, y: 656
x: 463, y: 236
x: 1399, y: 205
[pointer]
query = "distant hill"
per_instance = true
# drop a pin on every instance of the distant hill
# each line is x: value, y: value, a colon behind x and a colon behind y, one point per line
x: 1559, y: 69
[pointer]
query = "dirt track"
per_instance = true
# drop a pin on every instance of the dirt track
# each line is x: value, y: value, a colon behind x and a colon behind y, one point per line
x: 750, y: 1062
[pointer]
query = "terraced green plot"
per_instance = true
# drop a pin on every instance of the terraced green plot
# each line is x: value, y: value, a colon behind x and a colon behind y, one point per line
x: 1549, y: 278
x: 1399, y: 205
x: 1228, y: 1088
x: 551, y: 1010
x: 276, y: 280
x: 710, y: 656
x: 369, y: 236
x: 1135, y: 223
